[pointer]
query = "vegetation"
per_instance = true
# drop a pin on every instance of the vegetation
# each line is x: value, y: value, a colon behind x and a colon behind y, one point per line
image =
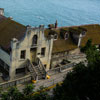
x: 93, y: 55
x: 83, y: 83
x: 28, y: 94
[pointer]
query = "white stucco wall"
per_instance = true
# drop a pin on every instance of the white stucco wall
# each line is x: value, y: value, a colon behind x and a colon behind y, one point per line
x: 26, y: 44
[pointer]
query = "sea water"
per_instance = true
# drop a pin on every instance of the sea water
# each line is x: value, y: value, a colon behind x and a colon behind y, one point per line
x: 67, y: 12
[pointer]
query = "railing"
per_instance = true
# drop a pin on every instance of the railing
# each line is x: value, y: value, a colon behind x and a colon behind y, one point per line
x: 28, y: 78
x: 32, y: 69
x: 74, y: 56
x: 41, y: 66
x: 16, y: 82
x: 62, y: 68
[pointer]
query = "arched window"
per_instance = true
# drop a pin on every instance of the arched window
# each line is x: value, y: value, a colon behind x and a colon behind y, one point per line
x: 34, y: 40
x: 66, y: 36
x: 83, y: 33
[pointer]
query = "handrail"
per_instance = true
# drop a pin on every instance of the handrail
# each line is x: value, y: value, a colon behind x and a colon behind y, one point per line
x: 40, y: 63
x: 61, y: 66
x: 30, y: 64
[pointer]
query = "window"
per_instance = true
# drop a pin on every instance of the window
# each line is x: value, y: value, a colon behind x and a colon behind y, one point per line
x: 23, y: 53
x: 66, y: 36
x: 34, y: 40
x: 43, y: 51
x: 20, y: 70
x: 55, y: 37
x: 83, y: 33
x: 45, y: 66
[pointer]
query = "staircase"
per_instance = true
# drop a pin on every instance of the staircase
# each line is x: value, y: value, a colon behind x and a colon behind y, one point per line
x: 37, y: 70
x: 31, y: 69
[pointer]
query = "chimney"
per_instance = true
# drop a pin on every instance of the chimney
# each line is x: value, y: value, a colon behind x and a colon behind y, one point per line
x: 2, y: 11
x: 56, y: 24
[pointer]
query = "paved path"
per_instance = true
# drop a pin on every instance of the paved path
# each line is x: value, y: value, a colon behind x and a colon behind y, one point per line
x: 54, y: 79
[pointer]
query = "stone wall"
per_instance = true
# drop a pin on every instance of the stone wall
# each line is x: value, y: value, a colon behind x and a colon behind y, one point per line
x: 58, y: 57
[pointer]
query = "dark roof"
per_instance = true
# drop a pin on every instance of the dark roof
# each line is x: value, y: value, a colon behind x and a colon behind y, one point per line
x: 93, y: 32
x: 10, y: 29
x: 61, y: 45
x: 2, y: 18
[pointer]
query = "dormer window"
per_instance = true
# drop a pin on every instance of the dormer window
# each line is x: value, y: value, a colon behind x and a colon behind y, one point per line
x: 83, y: 33
x: 82, y: 30
x: 55, y: 36
x: 66, y: 36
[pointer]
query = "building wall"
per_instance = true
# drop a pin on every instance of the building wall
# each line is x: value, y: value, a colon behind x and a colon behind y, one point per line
x: 58, y: 57
x: 1, y: 11
x: 25, y: 44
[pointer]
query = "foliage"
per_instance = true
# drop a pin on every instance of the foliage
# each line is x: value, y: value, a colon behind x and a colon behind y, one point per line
x: 12, y: 94
x: 28, y: 89
x: 83, y: 83
x: 93, y: 55
x: 87, y: 46
x: 0, y: 90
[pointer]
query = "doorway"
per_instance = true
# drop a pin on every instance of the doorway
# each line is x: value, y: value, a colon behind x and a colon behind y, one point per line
x: 33, y: 54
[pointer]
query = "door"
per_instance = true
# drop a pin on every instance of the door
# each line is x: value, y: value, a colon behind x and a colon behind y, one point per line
x: 33, y: 54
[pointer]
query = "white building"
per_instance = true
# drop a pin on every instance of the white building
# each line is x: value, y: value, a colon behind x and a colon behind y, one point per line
x: 26, y: 49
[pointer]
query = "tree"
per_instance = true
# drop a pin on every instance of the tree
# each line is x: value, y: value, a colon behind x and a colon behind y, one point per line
x: 12, y: 94
x: 93, y: 55
x: 5, y: 96
x: 41, y: 95
x: 83, y: 82
x: 28, y: 89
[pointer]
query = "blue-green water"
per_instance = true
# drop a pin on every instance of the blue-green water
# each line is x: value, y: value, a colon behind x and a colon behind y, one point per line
x: 67, y: 12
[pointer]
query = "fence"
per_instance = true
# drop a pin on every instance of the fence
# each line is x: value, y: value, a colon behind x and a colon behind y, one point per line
x: 28, y: 77
x: 16, y: 82
x: 60, y: 69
